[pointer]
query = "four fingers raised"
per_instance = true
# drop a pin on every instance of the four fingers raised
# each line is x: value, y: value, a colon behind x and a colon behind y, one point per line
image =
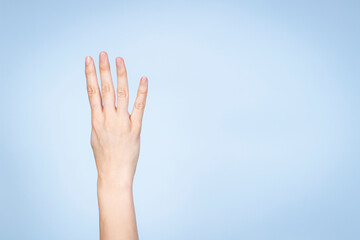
x: 106, y: 100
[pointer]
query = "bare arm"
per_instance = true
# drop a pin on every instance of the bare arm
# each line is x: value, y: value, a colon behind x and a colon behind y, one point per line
x: 115, y: 139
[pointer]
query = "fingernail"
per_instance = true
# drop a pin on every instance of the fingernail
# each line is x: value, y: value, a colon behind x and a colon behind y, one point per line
x: 118, y: 61
x: 143, y: 80
x: 87, y: 60
x: 103, y: 55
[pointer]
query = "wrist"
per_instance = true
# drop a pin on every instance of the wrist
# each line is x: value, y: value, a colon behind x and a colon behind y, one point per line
x: 107, y: 182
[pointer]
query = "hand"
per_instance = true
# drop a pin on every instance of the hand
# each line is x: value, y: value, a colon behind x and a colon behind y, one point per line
x: 115, y: 135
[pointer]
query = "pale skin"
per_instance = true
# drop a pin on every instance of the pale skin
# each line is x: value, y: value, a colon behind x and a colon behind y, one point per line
x: 115, y: 140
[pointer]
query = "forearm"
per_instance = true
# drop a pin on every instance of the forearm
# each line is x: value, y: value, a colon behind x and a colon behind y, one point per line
x: 116, y: 211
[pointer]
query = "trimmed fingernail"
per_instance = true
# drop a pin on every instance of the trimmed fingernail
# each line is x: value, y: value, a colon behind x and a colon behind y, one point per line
x: 103, y: 55
x: 87, y: 60
x: 143, y: 80
x: 118, y: 61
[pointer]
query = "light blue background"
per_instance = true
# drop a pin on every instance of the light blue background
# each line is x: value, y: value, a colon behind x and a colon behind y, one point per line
x: 251, y: 129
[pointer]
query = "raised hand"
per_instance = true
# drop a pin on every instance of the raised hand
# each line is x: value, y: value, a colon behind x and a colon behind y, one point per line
x: 115, y: 139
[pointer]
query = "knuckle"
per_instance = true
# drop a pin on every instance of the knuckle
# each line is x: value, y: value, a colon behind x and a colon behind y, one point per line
x: 92, y: 91
x: 104, y: 67
x: 106, y: 88
x: 122, y: 93
x: 139, y: 105
x: 121, y: 72
x: 89, y: 71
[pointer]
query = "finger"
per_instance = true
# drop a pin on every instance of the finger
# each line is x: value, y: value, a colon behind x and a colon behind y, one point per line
x: 140, y: 101
x: 122, y: 88
x: 92, y: 86
x: 107, y: 87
